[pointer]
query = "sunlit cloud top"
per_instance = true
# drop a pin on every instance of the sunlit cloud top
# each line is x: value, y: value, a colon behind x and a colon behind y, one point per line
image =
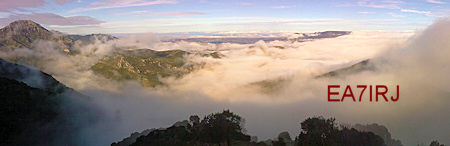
x: 163, y: 16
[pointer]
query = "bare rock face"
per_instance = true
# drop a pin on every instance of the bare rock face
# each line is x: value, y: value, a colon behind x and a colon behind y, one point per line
x: 22, y: 33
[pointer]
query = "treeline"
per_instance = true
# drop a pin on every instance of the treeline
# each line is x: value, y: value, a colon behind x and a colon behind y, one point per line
x: 226, y: 128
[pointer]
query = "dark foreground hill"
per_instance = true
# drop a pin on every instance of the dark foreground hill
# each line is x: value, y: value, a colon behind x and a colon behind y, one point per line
x: 32, y: 77
x: 36, y: 109
x: 24, y: 111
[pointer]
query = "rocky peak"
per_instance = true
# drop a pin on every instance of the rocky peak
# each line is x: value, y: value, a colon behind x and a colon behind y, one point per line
x: 22, y: 33
x: 24, y: 27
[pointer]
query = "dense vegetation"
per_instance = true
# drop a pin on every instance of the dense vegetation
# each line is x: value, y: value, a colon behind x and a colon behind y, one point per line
x: 24, y: 110
x: 226, y: 128
x: 215, y: 129
x: 34, y: 108
x: 144, y: 65
x: 321, y: 131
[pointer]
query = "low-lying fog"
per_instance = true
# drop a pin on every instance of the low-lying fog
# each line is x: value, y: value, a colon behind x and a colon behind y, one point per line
x: 418, y: 62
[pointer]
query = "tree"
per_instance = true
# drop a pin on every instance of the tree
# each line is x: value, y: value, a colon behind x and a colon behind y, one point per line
x: 223, y: 127
x: 194, y: 120
x: 436, y: 143
x: 353, y: 137
x: 324, y: 132
x: 317, y: 131
x: 215, y: 128
x: 279, y: 142
x: 285, y: 136
x: 284, y: 139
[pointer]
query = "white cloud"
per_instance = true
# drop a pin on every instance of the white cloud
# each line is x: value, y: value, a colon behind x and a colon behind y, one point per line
x: 121, y: 4
x: 245, y: 24
x: 174, y: 14
x: 52, y: 19
x: 416, y: 11
x: 396, y: 15
x: 61, y: 2
x: 385, y: 4
x: 436, y: 1
x: 364, y: 12
x: 139, y: 12
x: 8, y: 5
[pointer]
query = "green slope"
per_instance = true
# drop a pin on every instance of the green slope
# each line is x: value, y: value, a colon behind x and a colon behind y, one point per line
x: 144, y: 65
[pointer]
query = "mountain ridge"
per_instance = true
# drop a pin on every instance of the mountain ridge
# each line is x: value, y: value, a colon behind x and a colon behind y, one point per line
x: 36, y: 108
x: 23, y: 33
x: 32, y: 77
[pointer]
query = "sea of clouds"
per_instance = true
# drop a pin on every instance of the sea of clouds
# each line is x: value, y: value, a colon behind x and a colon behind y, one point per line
x: 418, y: 62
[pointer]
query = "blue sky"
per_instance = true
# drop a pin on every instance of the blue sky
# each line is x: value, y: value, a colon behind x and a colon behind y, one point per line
x: 163, y: 16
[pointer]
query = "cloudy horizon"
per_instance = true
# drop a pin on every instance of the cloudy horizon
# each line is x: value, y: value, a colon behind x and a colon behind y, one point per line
x: 221, y: 83
x: 168, y: 16
x: 406, y: 43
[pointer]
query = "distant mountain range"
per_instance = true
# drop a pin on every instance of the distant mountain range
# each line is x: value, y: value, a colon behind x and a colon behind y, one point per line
x: 139, y: 64
x: 32, y: 102
x: 296, y: 37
